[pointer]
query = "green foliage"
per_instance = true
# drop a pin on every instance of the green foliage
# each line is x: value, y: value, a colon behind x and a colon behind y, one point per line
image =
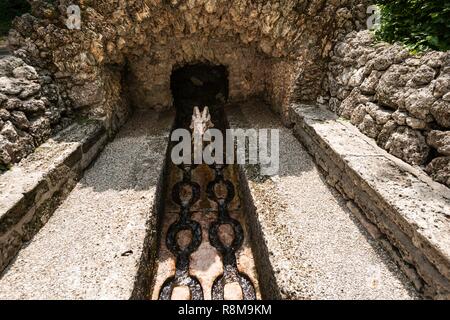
x: 8, y: 10
x: 420, y: 24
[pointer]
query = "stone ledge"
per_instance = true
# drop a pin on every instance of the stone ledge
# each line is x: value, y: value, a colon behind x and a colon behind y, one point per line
x: 101, y: 241
x: 32, y: 189
x: 306, y: 243
x: 411, y: 212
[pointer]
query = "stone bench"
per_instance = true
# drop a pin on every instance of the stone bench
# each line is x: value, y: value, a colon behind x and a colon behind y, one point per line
x: 31, y: 190
x: 399, y: 204
x: 100, y: 243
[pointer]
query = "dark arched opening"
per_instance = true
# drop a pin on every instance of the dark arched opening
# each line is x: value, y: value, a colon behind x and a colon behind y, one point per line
x: 200, y: 84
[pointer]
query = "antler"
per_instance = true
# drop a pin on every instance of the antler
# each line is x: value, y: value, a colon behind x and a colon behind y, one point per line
x: 205, y: 115
x: 197, y: 113
x: 201, y: 121
x: 195, y: 116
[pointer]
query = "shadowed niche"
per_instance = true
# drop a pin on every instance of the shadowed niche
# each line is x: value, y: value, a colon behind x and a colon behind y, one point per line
x: 200, y: 85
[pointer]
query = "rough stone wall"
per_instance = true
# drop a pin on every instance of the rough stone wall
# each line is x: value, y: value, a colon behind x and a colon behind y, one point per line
x: 399, y: 99
x: 246, y: 68
x: 31, y: 109
x: 145, y: 39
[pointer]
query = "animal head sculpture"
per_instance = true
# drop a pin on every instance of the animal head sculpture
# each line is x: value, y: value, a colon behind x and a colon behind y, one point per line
x: 201, y: 122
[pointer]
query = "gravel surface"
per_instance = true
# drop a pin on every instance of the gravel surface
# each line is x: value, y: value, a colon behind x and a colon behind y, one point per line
x: 316, y: 248
x: 92, y: 245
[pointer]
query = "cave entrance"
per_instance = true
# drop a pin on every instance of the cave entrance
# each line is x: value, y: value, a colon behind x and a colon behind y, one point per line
x: 200, y: 84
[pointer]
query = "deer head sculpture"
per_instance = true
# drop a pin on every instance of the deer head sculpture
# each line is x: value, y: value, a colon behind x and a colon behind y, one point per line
x: 201, y: 122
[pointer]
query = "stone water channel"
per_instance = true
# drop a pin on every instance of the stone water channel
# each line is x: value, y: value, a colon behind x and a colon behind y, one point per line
x: 204, y: 249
